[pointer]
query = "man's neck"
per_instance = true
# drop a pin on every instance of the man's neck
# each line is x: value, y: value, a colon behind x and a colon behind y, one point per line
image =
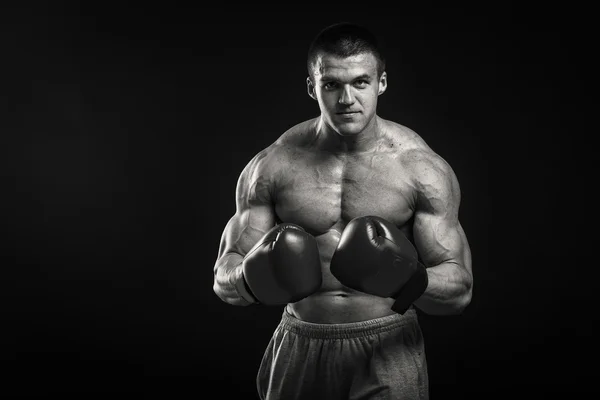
x: 336, y: 142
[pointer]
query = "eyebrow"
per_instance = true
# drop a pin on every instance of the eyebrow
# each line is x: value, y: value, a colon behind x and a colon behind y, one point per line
x: 331, y: 78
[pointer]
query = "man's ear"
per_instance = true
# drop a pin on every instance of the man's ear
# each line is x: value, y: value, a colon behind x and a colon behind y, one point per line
x: 382, y: 83
x: 311, y: 88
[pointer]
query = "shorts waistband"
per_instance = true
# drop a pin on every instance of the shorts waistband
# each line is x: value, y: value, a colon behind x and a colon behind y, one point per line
x: 346, y: 330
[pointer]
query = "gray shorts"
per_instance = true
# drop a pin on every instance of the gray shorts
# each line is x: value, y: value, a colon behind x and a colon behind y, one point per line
x: 382, y: 358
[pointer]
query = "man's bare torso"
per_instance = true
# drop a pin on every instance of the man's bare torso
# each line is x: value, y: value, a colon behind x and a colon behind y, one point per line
x: 322, y: 190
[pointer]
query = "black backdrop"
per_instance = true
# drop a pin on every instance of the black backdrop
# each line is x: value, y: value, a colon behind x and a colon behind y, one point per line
x: 124, y: 129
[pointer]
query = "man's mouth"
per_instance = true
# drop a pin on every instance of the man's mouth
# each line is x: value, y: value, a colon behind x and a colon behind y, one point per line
x: 347, y: 112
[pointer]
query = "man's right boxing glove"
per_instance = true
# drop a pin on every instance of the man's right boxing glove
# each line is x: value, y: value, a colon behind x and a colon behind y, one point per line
x: 375, y: 257
x: 283, y: 267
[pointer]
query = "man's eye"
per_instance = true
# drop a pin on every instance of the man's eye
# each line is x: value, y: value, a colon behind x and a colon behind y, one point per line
x: 330, y: 85
x: 361, y: 83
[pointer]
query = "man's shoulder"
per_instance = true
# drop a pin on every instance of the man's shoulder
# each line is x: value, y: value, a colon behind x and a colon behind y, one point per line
x: 412, y: 149
x: 290, y: 142
x: 273, y: 157
x: 407, y: 143
x: 298, y: 135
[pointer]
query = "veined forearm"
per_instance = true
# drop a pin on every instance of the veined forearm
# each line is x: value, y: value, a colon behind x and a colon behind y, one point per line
x: 229, y: 279
x: 448, y: 292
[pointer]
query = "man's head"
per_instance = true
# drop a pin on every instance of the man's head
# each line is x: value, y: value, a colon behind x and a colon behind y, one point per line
x: 343, y: 40
x: 346, y: 74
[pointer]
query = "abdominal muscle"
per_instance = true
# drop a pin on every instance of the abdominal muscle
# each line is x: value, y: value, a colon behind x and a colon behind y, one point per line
x: 335, y: 303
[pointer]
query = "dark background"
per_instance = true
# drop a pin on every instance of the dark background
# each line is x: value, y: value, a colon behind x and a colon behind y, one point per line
x: 124, y: 129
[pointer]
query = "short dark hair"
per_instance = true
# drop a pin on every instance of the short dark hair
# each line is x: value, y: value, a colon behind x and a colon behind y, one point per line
x: 345, y: 39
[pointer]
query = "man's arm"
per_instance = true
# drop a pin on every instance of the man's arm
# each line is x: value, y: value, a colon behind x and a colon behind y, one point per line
x: 254, y: 216
x: 440, y: 238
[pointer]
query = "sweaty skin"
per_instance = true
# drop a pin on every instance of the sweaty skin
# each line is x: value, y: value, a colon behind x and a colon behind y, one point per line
x: 347, y: 163
x: 299, y: 180
x: 327, y: 190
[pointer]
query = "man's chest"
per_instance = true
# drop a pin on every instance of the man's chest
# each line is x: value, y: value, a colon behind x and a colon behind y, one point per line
x: 319, y: 193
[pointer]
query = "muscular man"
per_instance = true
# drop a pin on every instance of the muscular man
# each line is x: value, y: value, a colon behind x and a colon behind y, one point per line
x: 349, y: 221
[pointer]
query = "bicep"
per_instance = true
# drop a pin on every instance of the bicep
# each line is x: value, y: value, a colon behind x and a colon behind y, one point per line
x: 438, y: 234
x: 246, y: 228
x: 255, y: 212
x: 440, y: 239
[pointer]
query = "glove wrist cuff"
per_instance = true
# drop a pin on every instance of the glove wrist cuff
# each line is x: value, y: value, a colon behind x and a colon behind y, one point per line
x: 412, y: 290
x: 241, y: 287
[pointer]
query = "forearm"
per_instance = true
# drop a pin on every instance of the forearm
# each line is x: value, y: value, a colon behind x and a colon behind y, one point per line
x: 448, y: 291
x: 229, y: 280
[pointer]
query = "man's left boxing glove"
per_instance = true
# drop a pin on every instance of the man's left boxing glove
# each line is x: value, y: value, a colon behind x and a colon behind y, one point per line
x: 283, y: 267
x: 375, y: 257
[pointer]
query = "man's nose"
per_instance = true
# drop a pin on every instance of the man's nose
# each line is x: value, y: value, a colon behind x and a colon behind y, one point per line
x: 346, y: 97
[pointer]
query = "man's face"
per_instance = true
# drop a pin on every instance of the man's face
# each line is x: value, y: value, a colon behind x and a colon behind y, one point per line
x: 347, y: 90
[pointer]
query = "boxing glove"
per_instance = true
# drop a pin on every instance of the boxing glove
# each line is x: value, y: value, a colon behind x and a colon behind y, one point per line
x: 283, y: 267
x: 375, y: 257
